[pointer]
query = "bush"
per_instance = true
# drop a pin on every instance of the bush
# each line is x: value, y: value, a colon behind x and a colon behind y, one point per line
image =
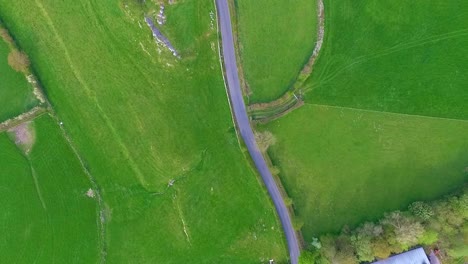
x: 363, y: 247
x: 18, y: 60
x: 5, y: 35
x: 288, y: 201
x: 297, y: 223
x: 311, y: 257
x: 264, y: 140
x: 421, y: 210
x: 429, y: 237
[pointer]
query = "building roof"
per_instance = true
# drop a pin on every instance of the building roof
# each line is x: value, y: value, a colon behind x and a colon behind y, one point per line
x: 415, y: 256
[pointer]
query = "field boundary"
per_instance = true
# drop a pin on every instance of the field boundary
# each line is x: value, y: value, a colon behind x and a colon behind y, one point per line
x: 388, y: 113
x: 37, y: 91
x: 235, y: 29
x: 45, y: 107
x: 284, y: 194
x: 292, y: 98
x: 22, y: 118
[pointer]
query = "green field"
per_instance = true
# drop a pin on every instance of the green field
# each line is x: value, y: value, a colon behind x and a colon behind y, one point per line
x: 141, y: 120
x: 372, y: 136
x: 276, y: 40
x: 397, y: 56
x: 46, y: 216
x: 15, y: 92
x: 344, y: 166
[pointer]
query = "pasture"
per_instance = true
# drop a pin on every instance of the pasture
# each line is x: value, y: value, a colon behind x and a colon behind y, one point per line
x: 345, y: 166
x: 275, y: 42
x: 384, y: 119
x: 46, y: 216
x: 155, y: 131
x: 395, y: 56
x: 16, y: 94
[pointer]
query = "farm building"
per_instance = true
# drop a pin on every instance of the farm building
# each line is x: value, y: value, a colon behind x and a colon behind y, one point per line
x: 415, y: 256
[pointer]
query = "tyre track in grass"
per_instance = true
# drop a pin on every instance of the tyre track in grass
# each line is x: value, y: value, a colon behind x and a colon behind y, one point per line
x: 91, y: 94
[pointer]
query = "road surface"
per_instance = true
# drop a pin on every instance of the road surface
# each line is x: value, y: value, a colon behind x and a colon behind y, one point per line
x: 243, y: 124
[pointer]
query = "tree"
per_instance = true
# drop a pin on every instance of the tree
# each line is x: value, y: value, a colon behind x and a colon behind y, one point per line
x: 288, y: 201
x: 362, y: 246
x: 311, y: 257
x: 448, y: 215
x: 275, y: 170
x: 338, y: 250
x: 382, y: 249
x: 421, y: 210
x: 464, y: 204
x: 297, y: 223
x: 307, y: 257
x: 407, y: 231
x: 264, y: 140
x: 18, y: 60
x: 429, y: 237
x: 370, y: 229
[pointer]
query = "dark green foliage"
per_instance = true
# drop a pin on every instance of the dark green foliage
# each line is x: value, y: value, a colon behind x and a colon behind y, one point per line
x: 406, y: 230
x: 338, y: 249
x: 446, y: 227
x: 421, y: 210
x: 312, y: 257
x: 363, y: 247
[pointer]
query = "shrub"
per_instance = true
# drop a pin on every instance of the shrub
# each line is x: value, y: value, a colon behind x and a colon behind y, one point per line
x: 5, y: 35
x: 297, y: 223
x: 264, y: 140
x: 363, y: 247
x: 18, y: 60
x: 421, y: 210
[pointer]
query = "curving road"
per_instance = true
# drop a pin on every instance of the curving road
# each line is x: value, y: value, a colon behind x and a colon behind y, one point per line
x: 243, y: 124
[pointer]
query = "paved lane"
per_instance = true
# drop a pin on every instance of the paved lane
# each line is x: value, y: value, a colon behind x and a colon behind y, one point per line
x: 243, y: 124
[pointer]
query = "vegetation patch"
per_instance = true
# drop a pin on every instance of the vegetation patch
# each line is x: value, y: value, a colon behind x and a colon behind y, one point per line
x: 16, y: 94
x: 343, y: 166
x: 24, y: 136
x: 439, y: 226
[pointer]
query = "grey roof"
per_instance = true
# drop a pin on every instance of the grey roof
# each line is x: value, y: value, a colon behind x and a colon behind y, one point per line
x: 415, y: 256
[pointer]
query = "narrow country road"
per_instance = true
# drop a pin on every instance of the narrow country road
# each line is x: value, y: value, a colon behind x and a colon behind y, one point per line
x: 243, y: 124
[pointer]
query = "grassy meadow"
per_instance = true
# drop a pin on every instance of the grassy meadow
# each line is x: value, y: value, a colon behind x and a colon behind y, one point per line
x: 141, y: 119
x: 276, y: 40
x: 396, y: 56
x: 15, y: 92
x: 46, y: 216
x: 385, y: 117
x: 344, y: 166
